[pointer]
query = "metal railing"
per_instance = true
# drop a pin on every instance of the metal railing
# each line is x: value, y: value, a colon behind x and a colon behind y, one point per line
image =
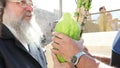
x: 92, y: 26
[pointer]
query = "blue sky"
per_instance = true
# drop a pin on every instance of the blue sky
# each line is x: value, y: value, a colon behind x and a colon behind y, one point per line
x: 70, y: 5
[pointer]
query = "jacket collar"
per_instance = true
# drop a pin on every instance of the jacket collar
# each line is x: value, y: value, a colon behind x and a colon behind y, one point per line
x: 6, y: 34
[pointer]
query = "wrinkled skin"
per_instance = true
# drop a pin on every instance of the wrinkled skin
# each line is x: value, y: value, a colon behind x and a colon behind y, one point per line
x: 66, y: 46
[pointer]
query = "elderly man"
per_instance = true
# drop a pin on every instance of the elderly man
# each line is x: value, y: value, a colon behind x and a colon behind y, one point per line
x: 19, y: 39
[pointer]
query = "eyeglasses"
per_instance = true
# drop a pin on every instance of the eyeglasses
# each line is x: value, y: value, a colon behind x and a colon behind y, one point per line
x: 23, y: 3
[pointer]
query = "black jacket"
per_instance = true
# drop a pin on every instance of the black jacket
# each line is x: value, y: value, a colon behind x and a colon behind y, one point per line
x: 13, y: 54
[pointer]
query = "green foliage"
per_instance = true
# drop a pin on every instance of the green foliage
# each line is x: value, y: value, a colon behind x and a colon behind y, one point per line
x: 85, y: 3
x: 79, y: 3
x: 88, y: 4
x: 76, y: 14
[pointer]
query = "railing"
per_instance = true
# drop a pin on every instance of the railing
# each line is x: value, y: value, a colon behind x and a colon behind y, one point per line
x: 92, y: 26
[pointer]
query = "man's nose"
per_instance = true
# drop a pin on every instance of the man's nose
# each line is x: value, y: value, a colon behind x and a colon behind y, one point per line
x: 29, y: 8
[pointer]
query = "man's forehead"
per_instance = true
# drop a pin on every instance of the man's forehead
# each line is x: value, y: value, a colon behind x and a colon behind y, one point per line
x: 19, y: 0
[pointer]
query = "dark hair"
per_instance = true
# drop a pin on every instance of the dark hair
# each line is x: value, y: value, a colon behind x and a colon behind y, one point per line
x: 2, y: 5
x: 103, y: 7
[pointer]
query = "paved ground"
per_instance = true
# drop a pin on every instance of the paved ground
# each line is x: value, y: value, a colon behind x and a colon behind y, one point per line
x: 97, y: 43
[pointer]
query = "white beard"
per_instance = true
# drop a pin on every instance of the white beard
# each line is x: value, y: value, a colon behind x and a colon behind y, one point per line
x: 27, y: 32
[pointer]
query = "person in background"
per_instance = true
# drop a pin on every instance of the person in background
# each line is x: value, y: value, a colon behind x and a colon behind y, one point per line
x: 73, y: 53
x: 19, y: 39
x: 104, y: 20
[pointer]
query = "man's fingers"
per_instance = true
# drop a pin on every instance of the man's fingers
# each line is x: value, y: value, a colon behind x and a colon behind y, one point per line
x: 55, y: 45
x: 56, y: 40
x: 60, y: 38
x: 55, y: 60
x: 55, y: 51
x: 59, y: 35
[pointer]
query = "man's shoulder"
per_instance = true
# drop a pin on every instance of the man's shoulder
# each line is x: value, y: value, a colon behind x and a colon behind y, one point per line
x: 1, y: 42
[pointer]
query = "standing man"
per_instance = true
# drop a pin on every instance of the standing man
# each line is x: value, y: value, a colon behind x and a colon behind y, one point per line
x: 19, y: 39
x: 103, y: 21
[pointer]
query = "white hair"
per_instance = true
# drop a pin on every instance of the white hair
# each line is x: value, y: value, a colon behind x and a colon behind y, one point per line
x: 24, y: 31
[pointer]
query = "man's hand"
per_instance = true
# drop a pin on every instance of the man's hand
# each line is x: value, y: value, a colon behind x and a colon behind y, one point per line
x: 57, y: 64
x: 66, y: 46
